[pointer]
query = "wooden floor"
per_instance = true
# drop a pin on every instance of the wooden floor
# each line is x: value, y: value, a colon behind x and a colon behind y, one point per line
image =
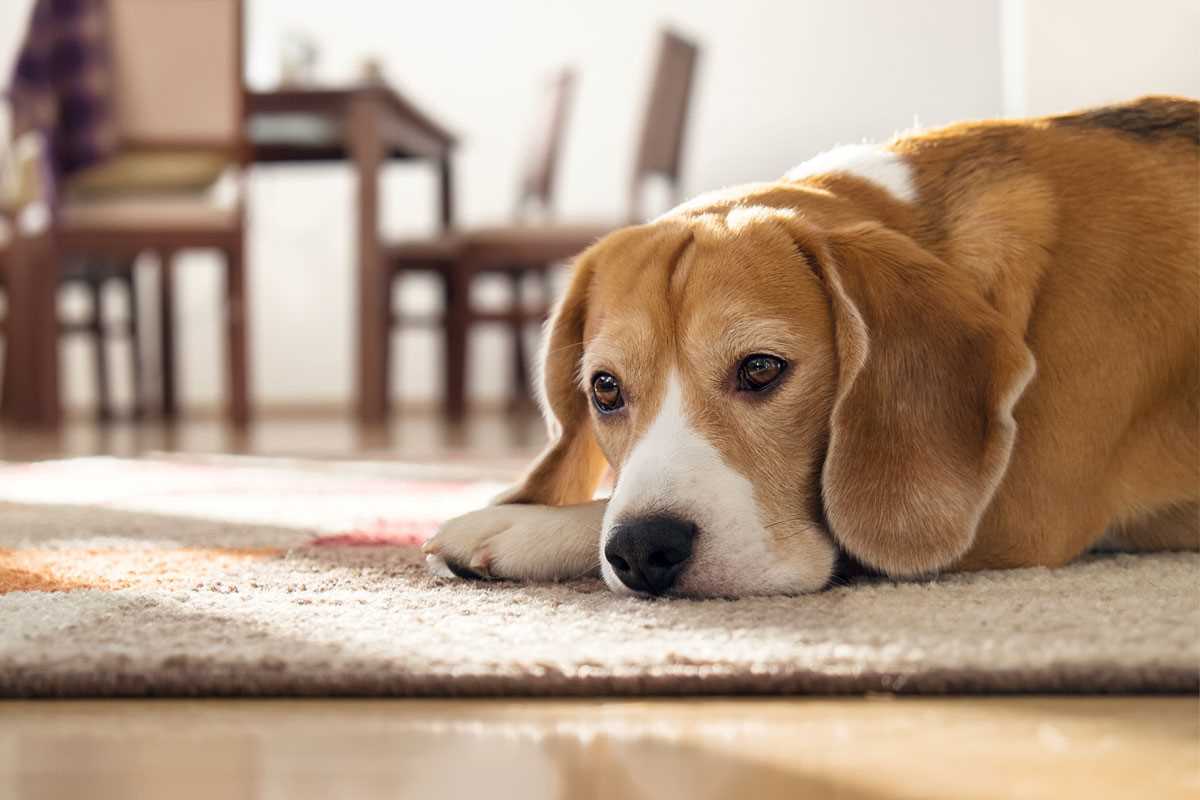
x: 876, y: 747
x: 418, y: 435
x: 927, y: 749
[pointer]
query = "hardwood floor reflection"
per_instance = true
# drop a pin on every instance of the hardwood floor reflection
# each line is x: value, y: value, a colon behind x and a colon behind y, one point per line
x: 420, y: 435
x: 612, y: 750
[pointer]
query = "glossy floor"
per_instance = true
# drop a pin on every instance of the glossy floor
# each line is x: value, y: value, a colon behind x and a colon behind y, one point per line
x: 699, y: 749
x: 420, y: 435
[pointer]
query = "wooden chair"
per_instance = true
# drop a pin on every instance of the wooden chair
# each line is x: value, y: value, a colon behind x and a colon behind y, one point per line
x: 175, y: 183
x: 93, y: 277
x: 26, y: 271
x: 95, y: 327
x: 17, y: 189
x: 526, y: 249
x: 535, y: 198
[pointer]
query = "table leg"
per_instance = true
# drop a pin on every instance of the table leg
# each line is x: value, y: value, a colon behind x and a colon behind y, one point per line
x: 236, y: 333
x: 374, y: 329
x: 520, y: 364
x: 446, y: 192
x: 31, y: 386
x: 129, y: 284
x: 167, y: 376
x: 457, y: 330
x: 104, y: 404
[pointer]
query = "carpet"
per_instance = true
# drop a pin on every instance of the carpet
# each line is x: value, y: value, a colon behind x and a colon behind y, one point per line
x: 252, y: 577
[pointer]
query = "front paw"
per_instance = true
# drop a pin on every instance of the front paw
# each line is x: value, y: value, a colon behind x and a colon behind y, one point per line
x: 517, y: 542
x: 462, y: 548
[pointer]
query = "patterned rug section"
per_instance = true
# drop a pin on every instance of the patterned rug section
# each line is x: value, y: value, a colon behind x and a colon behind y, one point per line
x: 254, y: 577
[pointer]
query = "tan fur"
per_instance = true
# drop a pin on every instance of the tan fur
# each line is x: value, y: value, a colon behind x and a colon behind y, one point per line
x: 1069, y: 244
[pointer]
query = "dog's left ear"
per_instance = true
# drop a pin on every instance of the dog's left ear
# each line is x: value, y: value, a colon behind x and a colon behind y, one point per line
x: 922, y: 425
x: 570, y: 468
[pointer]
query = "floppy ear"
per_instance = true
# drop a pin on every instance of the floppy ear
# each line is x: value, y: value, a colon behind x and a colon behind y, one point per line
x: 922, y: 425
x: 570, y: 468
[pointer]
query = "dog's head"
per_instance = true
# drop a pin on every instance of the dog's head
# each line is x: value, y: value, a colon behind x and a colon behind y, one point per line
x: 770, y: 385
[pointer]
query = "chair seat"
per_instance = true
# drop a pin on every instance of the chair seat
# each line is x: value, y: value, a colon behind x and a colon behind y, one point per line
x: 211, y: 211
x: 514, y: 245
x: 141, y: 172
x: 139, y: 214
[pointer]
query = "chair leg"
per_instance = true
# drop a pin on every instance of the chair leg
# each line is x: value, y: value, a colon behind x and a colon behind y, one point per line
x: 129, y: 283
x: 520, y: 365
x: 386, y: 294
x: 546, y: 277
x: 237, y: 337
x: 457, y: 323
x: 99, y: 335
x: 168, y: 378
x: 31, y: 383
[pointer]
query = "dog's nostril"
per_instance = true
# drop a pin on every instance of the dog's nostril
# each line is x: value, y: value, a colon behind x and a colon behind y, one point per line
x: 647, y: 554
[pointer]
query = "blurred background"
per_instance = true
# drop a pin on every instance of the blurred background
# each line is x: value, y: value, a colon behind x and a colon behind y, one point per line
x: 759, y: 86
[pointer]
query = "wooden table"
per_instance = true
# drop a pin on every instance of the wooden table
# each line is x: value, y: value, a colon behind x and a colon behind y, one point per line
x: 366, y: 126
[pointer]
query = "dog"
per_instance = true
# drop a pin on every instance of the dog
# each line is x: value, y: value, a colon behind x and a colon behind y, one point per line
x: 970, y: 348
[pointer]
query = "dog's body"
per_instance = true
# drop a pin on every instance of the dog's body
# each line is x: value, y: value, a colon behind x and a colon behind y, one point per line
x: 972, y: 348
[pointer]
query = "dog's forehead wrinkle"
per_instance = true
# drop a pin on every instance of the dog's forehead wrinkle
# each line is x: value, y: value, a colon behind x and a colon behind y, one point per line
x: 736, y: 328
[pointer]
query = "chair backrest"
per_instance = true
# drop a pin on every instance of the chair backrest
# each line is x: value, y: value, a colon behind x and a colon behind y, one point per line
x: 177, y: 72
x: 665, y: 122
x: 545, y: 145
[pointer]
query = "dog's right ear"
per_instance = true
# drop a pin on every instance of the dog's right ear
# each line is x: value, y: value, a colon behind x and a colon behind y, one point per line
x: 570, y: 468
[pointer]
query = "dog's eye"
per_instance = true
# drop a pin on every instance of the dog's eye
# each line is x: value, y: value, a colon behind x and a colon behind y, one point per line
x: 759, y: 371
x: 606, y: 393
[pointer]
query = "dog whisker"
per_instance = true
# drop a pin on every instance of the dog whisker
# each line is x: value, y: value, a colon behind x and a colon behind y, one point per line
x: 593, y: 568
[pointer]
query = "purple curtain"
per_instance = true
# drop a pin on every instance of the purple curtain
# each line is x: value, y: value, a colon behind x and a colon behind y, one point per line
x: 62, y: 82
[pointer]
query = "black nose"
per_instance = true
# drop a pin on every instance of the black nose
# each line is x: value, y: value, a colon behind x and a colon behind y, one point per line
x: 649, y: 553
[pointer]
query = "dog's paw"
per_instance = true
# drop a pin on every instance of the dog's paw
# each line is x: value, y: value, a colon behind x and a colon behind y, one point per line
x: 518, y: 542
x: 463, y: 547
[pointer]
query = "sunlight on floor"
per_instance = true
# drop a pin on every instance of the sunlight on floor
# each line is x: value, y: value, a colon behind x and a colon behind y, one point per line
x: 1032, y: 747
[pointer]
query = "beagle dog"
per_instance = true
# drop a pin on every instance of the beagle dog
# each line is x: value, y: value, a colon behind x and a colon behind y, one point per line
x: 971, y: 348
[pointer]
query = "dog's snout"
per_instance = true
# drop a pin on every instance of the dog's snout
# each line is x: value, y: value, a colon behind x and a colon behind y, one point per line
x: 648, y: 554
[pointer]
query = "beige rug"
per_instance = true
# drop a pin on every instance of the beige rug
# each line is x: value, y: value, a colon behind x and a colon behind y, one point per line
x: 237, y: 577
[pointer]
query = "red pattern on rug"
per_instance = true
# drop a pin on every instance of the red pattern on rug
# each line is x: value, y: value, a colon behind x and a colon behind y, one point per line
x: 382, y: 533
x: 252, y: 508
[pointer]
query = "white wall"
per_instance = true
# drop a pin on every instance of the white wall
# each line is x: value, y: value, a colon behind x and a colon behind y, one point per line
x: 779, y: 81
x: 1065, y: 54
x: 14, y: 16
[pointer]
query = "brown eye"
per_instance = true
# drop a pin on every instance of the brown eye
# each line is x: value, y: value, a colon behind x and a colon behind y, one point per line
x: 759, y: 371
x: 606, y: 393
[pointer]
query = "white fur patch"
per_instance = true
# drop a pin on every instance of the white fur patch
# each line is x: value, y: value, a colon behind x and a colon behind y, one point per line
x: 520, y: 542
x: 867, y: 161
x: 675, y: 469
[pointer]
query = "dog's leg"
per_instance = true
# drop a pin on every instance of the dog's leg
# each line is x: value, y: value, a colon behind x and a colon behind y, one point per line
x: 520, y: 542
x: 1173, y: 528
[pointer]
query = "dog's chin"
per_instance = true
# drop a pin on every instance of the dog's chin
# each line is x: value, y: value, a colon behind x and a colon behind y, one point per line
x: 809, y: 565
x: 806, y: 565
